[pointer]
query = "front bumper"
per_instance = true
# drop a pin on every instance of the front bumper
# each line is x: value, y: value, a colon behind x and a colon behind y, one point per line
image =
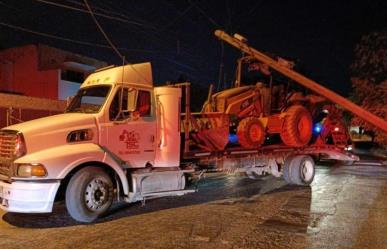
x: 28, y: 197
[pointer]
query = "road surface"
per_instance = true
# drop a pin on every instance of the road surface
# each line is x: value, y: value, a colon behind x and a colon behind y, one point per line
x: 345, y: 207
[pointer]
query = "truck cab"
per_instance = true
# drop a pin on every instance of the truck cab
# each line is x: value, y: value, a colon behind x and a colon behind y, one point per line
x: 119, y: 138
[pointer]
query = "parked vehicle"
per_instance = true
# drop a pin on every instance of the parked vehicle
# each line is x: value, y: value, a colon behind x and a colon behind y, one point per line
x: 123, y: 139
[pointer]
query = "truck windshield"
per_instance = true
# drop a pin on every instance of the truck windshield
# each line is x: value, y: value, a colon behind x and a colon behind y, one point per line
x: 89, y: 100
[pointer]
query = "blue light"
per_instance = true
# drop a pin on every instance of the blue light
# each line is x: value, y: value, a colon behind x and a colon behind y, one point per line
x: 317, y: 128
x: 233, y: 138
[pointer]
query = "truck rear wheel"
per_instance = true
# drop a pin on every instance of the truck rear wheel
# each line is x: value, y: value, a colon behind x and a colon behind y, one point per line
x: 89, y: 194
x: 297, y: 127
x: 250, y: 133
x: 299, y: 170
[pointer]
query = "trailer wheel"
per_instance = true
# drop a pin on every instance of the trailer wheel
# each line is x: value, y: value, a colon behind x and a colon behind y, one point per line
x: 89, y: 194
x: 299, y: 170
x: 297, y: 127
x: 251, y: 133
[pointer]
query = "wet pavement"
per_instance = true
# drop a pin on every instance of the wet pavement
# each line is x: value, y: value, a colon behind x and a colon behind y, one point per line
x: 345, y: 207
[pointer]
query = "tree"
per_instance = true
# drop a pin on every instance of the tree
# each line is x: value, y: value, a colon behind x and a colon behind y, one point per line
x: 369, y: 80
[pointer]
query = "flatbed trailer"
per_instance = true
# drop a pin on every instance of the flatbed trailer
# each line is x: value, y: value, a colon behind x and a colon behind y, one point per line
x: 326, y: 151
x: 201, y: 150
x: 271, y: 159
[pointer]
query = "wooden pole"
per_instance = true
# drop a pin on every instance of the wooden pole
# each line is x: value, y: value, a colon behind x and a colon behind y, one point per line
x: 304, y: 81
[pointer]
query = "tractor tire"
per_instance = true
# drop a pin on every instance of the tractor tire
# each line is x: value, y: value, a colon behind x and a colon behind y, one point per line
x: 251, y: 133
x: 89, y: 194
x: 297, y: 126
x: 299, y: 170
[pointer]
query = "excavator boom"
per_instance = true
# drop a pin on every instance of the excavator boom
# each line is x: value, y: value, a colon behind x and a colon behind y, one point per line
x: 304, y: 81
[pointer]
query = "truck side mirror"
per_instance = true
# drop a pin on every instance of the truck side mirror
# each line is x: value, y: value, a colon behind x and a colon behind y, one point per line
x: 128, y: 112
x: 131, y: 106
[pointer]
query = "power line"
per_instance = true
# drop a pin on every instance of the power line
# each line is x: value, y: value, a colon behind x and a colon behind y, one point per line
x: 119, y: 19
x: 123, y: 20
x: 111, y: 43
x: 77, y: 41
x: 97, y: 14
x: 103, y: 32
x: 98, y: 8
x: 9, y: 7
x: 52, y: 36
x: 210, y: 19
x: 152, y: 34
x: 61, y: 38
x: 177, y: 18
x: 109, y: 11
x: 190, y: 55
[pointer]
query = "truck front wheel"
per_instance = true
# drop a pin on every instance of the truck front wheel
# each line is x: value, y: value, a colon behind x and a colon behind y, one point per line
x: 89, y: 194
x: 299, y: 170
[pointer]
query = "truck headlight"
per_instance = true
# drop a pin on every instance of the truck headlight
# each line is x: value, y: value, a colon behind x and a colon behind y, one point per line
x: 30, y: 170
x: 80, y: 135
x: 20, y: 146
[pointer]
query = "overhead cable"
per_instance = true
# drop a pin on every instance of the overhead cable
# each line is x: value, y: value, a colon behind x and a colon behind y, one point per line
x: 52, y: 36
x: 103, y: 32
x: 61, y: 38
x: 97, y: 14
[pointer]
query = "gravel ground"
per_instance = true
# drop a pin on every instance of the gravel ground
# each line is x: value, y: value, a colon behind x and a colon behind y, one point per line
x: 344, y: 208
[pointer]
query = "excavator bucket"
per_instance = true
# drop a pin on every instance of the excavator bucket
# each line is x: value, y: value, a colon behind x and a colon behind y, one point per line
x: 211, y: 130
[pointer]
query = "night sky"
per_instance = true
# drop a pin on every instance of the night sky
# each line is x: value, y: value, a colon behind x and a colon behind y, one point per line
x: 177, y: 36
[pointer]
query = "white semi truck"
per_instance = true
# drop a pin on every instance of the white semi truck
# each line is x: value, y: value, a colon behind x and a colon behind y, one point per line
x: 123, y: 139
x: 119, y: 137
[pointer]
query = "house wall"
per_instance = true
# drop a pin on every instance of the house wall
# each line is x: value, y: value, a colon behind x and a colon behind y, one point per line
x: 34, y: 71
x: 19, y: 73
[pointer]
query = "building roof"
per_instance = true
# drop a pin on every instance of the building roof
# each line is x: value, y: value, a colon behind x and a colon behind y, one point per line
x: 54, y: 58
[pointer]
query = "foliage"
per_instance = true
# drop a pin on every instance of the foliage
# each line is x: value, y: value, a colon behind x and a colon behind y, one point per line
x: 369, y: 80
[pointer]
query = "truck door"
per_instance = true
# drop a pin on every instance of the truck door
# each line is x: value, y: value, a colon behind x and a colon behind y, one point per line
x: 131, y: 133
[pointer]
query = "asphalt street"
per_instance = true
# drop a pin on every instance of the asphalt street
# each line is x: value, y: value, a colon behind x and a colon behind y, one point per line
x: 345, y: 207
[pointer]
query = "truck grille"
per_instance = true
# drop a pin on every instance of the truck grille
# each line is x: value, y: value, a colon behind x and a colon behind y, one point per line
x: 7, y: 144
x: 7, y: 148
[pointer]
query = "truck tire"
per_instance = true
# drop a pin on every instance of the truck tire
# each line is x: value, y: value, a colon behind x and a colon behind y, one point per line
x: 299, y: 170
x: 250, y: 133
x: 297, y: 126
x: 89, y: 194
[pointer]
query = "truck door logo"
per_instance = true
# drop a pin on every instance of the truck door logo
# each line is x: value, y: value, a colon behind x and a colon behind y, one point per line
x: 131, y: 139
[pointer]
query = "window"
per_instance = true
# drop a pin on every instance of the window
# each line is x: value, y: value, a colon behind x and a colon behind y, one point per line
x: 73, y: 76
x: 89, y: 100
x: 143, y: 103
x: 115, y: 107
x: 132, y: 100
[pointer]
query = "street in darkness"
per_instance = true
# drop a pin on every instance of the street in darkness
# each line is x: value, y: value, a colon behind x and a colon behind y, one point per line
x: 345, y: 207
